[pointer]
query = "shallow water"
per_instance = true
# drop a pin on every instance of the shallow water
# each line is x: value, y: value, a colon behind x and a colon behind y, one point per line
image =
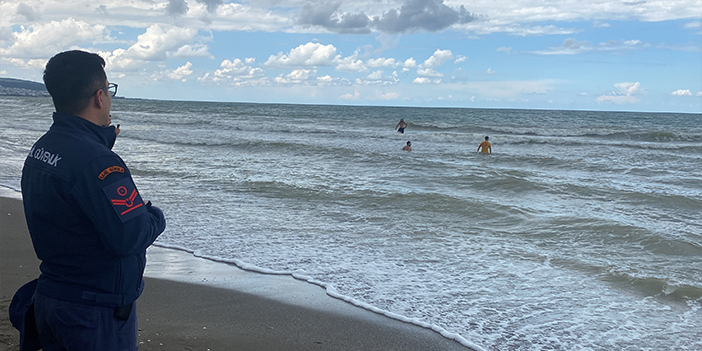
x: 580, y: 232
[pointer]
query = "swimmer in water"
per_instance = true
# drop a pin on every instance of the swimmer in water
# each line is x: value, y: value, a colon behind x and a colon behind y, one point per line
x: 486, y: 146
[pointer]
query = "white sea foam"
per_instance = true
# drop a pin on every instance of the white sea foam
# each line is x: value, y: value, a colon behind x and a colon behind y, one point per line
x: 331, y: 291
x: 12, y: 192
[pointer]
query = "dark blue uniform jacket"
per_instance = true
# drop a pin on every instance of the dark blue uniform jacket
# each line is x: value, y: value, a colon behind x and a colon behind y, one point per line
x: 88, y: 223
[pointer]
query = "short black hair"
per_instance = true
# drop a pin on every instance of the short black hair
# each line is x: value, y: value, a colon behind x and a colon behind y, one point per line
x: 487, y: 137
x: 72, y: 77
x: 409, y: 142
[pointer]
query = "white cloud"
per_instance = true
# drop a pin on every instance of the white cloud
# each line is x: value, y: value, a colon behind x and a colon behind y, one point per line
x: 600, y: 24
x: 513, y: 26
x: 295, y: 77
x: 461, y: 59
x: 627, y: 88
x: 350, y: 64
x: 157, y: 44
x: 428, y: 73
x: 354, y: 96
x: 505, y: 49
x: 117, y: 61
x: 45, y: 40
x: 682, y: 92
x: 28, y: 64
x: 494, y: 90
x: 438, y: 58
x: 389, y: 96
x: 570, y: 47
x: 239, y: 17
x: 573, y: 47
x: 625, y: 94
x: 325, y: 79
x: 306, y: 55
x: 426, y: 69
x: 499, y: 15
x: 381, y: 62
x: 236, y: 72
x: 490, y: 71
x: 693, y: 25
x: 376, y: 75
x: 177, y: 74
x: 699, y: 93
x: 619, y: 99
x: 424, y: 80
x: 181, y: 72
x: 300, y: 74
x: 377, y: 78
x: 409, y: 64
x: 235, y: 67
x: 199, y: 50
x: 328, y: 80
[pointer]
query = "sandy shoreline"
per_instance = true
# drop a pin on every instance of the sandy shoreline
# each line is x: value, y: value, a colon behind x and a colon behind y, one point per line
x: 232, y: 310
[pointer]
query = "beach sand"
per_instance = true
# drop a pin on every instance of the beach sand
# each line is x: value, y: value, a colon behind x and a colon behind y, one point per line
x: 206, y: 305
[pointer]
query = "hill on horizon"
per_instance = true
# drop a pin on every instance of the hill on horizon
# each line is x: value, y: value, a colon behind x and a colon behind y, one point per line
x: 21, y: 87
x: 21, y: 84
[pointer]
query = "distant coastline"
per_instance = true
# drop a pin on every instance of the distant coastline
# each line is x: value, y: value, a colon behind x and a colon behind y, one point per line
x: 19, y: 87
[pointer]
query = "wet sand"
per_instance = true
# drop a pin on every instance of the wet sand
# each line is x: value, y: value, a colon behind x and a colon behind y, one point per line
x: 194, y: 304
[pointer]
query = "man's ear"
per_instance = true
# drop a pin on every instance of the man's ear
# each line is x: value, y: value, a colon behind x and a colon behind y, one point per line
x: 99, y: 99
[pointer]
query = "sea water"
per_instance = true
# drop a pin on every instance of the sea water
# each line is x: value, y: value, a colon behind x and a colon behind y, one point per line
x: 581, y: 231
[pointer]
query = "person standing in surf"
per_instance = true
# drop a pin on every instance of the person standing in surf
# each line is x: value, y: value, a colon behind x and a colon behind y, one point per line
x: 407, y: 147
x: 485, y: 146
x: 400, y: 127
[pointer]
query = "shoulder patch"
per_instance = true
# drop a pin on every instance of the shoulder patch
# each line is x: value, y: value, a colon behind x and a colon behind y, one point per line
x: 125, y: 199
x: 109, y: 170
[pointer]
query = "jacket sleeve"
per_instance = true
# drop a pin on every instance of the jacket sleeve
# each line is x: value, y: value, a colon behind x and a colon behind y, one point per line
x: 125, y: 223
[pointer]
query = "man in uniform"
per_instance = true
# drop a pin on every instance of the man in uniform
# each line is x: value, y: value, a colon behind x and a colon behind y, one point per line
x: 88, y: 223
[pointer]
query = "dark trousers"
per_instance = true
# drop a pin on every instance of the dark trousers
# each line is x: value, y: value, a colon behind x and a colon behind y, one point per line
x: 67, y: 326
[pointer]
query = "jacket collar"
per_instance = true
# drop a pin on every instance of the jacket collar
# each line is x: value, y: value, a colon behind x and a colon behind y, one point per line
x: 103, y: 135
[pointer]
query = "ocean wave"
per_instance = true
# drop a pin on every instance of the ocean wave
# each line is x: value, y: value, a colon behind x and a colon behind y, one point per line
x: 657, y: 287
x: 652, y: 136
x: 605, y: 133
x: 501, y: 135
x: 633, y: 279
x: 589, y: 141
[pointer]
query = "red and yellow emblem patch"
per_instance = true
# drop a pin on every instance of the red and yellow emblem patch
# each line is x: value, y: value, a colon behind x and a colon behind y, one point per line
x: 110, y: 170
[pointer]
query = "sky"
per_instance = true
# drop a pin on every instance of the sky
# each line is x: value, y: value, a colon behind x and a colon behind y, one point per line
x: 535, y: 54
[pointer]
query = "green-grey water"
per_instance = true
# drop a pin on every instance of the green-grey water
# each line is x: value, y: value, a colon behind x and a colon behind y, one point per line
x: 581, y: 231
